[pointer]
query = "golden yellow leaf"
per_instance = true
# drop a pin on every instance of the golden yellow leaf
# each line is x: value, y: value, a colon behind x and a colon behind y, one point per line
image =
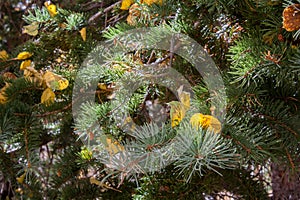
x: 83, y: 33
x: 54, y: 81
x: 113, y: 147
x: 3, y: 98
x: 184, y: 97
x: 24, y: 55
x: 177, y: 112
x: 21, y: 178
x: 126, y: 4
x: 3, y: 55
x: 63, y: 84
x: 102, y: 86
x: 33, y: 75
x: 25, y: 64
x: 206, y: 122
x: 31, y: 29
x: 51, y: 8
x: 47, y: 97
x: 149, y: 2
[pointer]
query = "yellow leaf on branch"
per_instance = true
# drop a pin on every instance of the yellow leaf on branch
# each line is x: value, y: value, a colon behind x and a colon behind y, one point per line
x: 179, y: 108
x: 33, y: 75
x: 63, y: 84
x: 47, y: 97
x: 150, y: 2
x: 206, y: 122
x: 3, y: 55
x: 184, y: 97
x: 21, y: 178
x: 24, y: 55
x: 54, y: 81
x: 25, y: 64
x: 177, y: 112
x: 126, y: 4
x: 3, y: 98
x: 31, y: 29
x: 51, y: 8
x: 83, y: 33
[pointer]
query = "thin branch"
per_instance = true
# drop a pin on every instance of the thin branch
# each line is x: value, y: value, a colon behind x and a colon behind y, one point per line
x: 101, y: 12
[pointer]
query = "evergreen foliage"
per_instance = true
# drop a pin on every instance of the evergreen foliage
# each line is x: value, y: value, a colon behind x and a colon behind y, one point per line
x: 126, y: 146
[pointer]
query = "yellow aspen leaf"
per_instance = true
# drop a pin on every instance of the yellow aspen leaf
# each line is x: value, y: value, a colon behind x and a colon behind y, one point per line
x: 47, y: 97
x: 184, y: 97
x: 179, y: 108
x: 25, y: 64
x: 51, y: 8
x: 113, y: 147
x: 63, y: 84
x: 3, y: 98
x: 3, y: 55
x: 126, y: 4
x: 102, y: 86
x: 31, y: 29
x: 150, y: 2
x: 54, y: 81
x: 177, y: 112
x: 83, y: 33
x: 206, y: 122
x: 21, y: 178
x: 24, y: 55
x: 33, y: 75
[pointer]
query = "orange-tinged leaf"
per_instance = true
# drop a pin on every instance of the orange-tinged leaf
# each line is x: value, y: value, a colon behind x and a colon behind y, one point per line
x: 126, y: 4
x: 9, y: 75
x: 83, y: 33
x: 47, y: 97
x: 24, y: 55
x: 25, y: 64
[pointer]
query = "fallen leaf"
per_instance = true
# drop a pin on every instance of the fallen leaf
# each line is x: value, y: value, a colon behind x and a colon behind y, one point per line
x: 31, y: 29
x: 47, y: 97
x: 206, y: 122
x: 25, y: 64
x: 3, y: 55
x: 24, y: 55
x: 83, y: 33
x: 126, y: 4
